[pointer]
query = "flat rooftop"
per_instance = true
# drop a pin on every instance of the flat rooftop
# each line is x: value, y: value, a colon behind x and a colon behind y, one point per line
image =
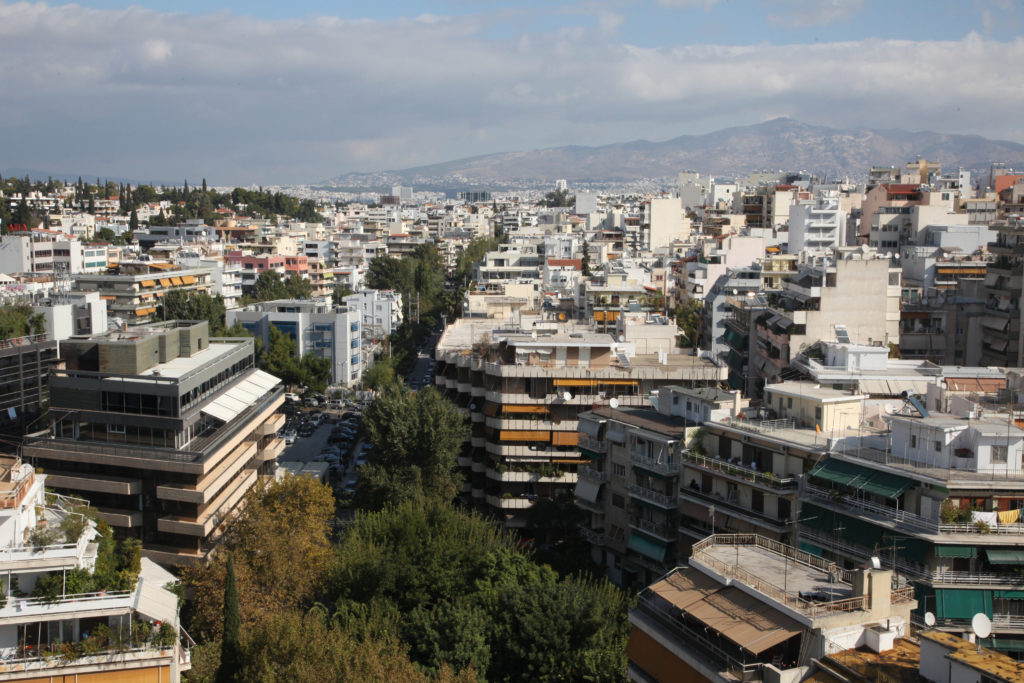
x: 178, y: 367
x: 789, y: 575
x: 900, y: 664
x: 645, y: 419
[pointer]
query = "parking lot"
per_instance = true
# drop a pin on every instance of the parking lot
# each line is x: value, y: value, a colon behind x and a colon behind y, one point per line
x: 309, y: 449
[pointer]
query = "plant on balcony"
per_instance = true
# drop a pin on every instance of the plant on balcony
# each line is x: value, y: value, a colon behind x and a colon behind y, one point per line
x: 982, y: 527
x: 42, y: 536
x: 73, y: 526
x: 950, y: 513
x: 165, y: 636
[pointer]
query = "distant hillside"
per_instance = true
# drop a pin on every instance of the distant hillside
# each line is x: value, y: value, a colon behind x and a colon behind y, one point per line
x: 782, y: 144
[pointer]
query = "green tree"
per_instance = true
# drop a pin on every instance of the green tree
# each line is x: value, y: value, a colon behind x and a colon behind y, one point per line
x: 339, y: 294
x: 381, y: 374
x: 230, y: 657
x: 314, y: 372
x: 269, y: 287
x: 418, y: 436
x: 586, y: 258
x: 179, y: 304
x: 688, y: 319
x: 387, y: 272
x: 280, y: 358
x: 297, y: 287
x: 133, y: 221
x: 19, y: 320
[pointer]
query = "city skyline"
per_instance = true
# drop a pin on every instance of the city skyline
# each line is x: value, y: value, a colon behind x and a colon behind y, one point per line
x: 265, y: 93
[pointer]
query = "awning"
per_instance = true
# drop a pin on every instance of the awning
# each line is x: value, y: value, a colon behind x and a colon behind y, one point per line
x: 995, y: 322
x: 999, y: 345
x: 591, y: 429
x: 565, y: 438
x: 538, y: 410
x: 224, y: 408
x: 490, y: 409
x: 982, y: 385
x: 188, y: 279
x: 955, y: 551
x: 892, y: 387
x: 264, y: 380
x: 573, y: 382
x: 861, y: 478
x: 176, y: 281
x: 1005, y: 556
x: 685, y: 587
x: 523, y: 435
x: 745, y: 620
x: 962, y: 603
x: 148, y: 283
x: 616, y: 436
x: 617, y: 382
x: 587, y: 490
x: 164, y: 282
x: 648, y: 547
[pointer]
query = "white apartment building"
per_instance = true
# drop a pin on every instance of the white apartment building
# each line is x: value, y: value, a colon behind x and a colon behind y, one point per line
x: 816, y: 226
x: 380, y: 311
x: 43, y: 251
x: 331, y: 332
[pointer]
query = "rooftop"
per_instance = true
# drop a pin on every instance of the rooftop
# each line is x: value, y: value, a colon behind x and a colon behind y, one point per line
x: 181, y: 366
x: 642, y: 418
x: 985, y: 661
x: 814, y: 391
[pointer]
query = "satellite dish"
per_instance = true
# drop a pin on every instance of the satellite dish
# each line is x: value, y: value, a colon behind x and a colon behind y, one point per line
x: 614, y: 403
x: 622, y: 338
x: 981, y: 625
x: 567, y: 396
x: 876, y: 563
x: 929, y: 619
x: 472, y: 406
x: 534, y: 334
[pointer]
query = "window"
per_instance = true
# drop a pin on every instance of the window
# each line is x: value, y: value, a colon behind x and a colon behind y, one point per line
x: 115, y: 429
x: 618, y: 470
x: 999, y: 455
x: 789, y: 402
x: 938, y: 445
x: 817, y: 413
x: 913, y: 440
x: 618, y: 501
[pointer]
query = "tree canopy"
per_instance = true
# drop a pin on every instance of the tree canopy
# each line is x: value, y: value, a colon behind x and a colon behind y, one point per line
x: 19, y: 320
x: 178, y: 304
x: 417, y: 436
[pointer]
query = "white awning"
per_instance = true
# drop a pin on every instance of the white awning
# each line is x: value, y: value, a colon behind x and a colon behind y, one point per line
x: 263, y: 380
x: 587, y: 490
x: 224, y: 407
x: 995, y: 322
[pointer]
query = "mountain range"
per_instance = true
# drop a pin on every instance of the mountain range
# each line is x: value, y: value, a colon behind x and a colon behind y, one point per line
x: 778, y: 144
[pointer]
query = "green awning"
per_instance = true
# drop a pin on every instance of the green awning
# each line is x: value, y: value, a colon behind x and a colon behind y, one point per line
x: 862, y: 478
x: 1006, y: 644
x: 841, y: 526
x: 1007, y: 556
x: 811, y: 549
x: 1009, y: 595
x: 593, y: 455
x: 962, y: 604
x: 647, y: 547
x: 968, y: 551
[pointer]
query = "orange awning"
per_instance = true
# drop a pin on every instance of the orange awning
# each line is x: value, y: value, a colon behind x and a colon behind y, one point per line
x: 574, y: 382
x: 618, y: 382
x: 164, y: 282
x: 188, y: 279
x: 523, y: 435
x: 176, y: 281
x: 599, y: 316
x: 148, y: 283
x: 565, y: 438
x: 490, y: 409
x: 108, y: 297
x: 538, y: 410
x: 611, y: 316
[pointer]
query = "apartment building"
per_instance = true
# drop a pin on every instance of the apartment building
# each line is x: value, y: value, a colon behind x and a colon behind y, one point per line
x: 134, y: 292
x: 46, y: 251
x: 163, y: 429
x: 852, y: 288
x: 816, y: 226
x: 747, y: 608
x: 1002, y: 332
x: 524, y: 388
x: 330, y: 332
x: 25, y: 363
x: 380, y: 311
x: 58, y: 637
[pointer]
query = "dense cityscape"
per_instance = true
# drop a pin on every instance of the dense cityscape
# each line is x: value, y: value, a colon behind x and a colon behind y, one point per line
x: 655, y: 341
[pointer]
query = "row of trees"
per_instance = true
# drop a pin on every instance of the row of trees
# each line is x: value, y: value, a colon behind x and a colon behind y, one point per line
x: 417, y: 591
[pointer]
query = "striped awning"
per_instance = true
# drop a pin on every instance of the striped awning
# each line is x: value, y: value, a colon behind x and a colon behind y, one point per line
x: 188, y: 279
x: 176, y: 281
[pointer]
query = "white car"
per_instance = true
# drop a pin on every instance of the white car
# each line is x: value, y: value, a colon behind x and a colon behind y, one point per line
x: 290, y: 436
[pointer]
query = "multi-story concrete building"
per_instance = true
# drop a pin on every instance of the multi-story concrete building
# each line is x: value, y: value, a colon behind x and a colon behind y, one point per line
x: 134, y: 294
x: 25, y: 363
x: 46, y: 251
x: 524, y: 389
x: 1003, y: 335
x: 380, y: 311
x: 747, y: 608
x: 317, y: 327
x: 163, y: 429
x: 817, y: 226
x: 60, y: 637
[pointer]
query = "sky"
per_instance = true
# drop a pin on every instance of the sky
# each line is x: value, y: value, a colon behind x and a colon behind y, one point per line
x: 298, y: 92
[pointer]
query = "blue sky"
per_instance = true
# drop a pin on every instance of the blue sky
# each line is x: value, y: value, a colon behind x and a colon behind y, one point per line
x: 272, y: 92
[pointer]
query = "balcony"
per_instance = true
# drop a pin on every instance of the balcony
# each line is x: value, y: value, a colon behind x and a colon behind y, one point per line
x: 593, y: 445
x: 590, y: 474
x: 272, y: 425
x: 667, y: 464
x: 651, y: 496
x: 595, y: 538
x: 530, y: 477
x: 663, y: 530
x: 509, y: 503
x: 730, y: 506
x: 742, y: 473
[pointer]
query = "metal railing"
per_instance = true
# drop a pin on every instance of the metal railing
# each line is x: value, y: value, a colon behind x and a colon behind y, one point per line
x: 593, y: 475
x: 667, y: 464
x: 747, y: 474
x: 656, y: 497
x: 731, y: 504
x: 764, y: 426
x: 660, y: 529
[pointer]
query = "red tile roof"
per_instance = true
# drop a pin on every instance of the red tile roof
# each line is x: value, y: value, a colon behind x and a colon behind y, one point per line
x: 574, y: 262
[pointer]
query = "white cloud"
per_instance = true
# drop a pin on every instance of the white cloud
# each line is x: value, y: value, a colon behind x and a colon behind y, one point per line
x: 160, y: 96
x: 803, y: 13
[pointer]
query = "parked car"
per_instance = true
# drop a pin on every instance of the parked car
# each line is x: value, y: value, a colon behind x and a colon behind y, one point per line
x: 294, y: 398
x: 311, y: 403
x: 289, y: 436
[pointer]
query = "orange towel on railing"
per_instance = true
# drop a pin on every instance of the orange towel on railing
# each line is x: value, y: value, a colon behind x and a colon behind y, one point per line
x: 1009, y: 516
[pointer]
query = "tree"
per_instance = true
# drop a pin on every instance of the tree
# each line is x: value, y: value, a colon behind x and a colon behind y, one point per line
x: 297, y: 287
x: 381, y: 374
x: 269, y: 287
x: 230, y: 657
x: 281, y: 549
x: 179, y: 304
x: 418, y: 436
x: 280, y: 358
x: 688, y: 319
x: 339, y: 294
x: 19, y: 320
x: 586, y: 258
x: 387, y: 272
x: 314, y: 372
x: 133, y: 221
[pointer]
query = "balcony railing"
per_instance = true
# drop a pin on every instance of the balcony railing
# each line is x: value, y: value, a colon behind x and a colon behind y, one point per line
x: 735, y: 471
x: 731, y: 505
x: 595, y: 445
x: 652, y: 496
x: 593, y: 475
x: 590, y: 536
x: 667, y: 464
x: 662, y: 530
